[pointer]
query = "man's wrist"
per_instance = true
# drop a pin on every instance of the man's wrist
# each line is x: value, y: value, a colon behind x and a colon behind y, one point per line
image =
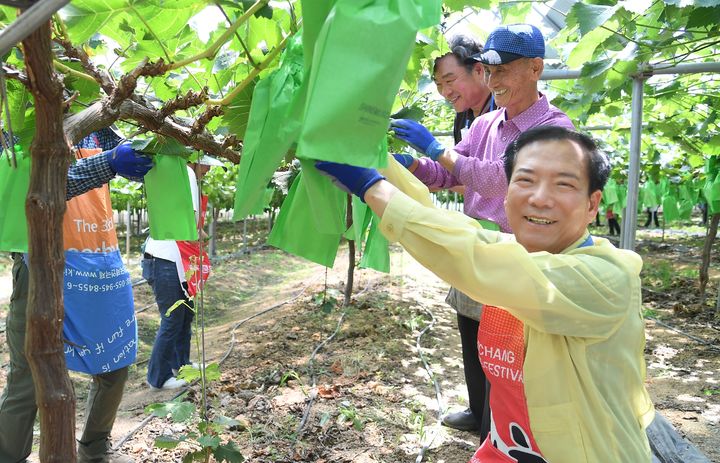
x: 434, y: 150
x: 413, y: 166
x: 378, y: 196
x: 368, y: 183
x: 448, y: 159
x: 108, y: 160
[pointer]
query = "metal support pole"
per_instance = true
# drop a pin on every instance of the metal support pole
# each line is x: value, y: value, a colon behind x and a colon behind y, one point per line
x: 627, y: 240
x: 27, y: 22
x: 213, y: 230
x: 128, y: 234
x: 245, y: 246
x: 560, y: 74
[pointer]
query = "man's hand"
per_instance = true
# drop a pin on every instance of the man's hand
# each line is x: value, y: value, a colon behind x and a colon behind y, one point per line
x: 127, y: 162
x: 351, y: 179
x: 417, y: 136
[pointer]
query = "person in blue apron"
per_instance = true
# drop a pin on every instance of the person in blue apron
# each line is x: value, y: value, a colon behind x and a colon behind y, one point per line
x: 101, y: 343
x: 561, y: 335
x: 463, y: 85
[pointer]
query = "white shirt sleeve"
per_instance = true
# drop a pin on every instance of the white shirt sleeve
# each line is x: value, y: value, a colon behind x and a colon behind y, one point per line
x: 195, y: 193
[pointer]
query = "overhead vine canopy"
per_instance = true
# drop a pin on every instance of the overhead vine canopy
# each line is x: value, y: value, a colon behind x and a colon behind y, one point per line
x: 161, y: 65
x: 185, y: 69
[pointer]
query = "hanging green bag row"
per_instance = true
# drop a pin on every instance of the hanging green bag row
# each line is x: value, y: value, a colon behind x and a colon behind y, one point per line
x: 14, y: 184
x: 295, y: 231
x: 273, y: 126
x: 358, y: 62
x: 169, y: 200
x: 356, y: 53
x: 614, y: 195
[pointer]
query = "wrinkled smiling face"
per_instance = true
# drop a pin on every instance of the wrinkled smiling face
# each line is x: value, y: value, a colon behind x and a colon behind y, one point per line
x: 548, y: 205
x: 514, y: 85
x: 462, y: 88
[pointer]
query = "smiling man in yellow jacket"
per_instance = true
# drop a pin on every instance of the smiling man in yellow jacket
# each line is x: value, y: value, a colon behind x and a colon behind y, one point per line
x: 562, y: 335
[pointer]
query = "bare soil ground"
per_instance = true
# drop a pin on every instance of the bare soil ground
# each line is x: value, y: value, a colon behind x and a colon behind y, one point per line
x: 375, y: 400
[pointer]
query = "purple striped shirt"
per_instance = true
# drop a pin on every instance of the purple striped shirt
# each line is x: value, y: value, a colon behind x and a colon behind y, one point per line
x: 480, y: 166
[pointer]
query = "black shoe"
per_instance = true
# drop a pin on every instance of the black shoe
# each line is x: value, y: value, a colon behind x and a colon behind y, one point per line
x: 464, y: 421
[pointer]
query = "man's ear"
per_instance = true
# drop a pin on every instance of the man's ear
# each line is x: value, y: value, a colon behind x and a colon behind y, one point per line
x: 478, y: 69
x: 594, y: 204
x: 537, y: 65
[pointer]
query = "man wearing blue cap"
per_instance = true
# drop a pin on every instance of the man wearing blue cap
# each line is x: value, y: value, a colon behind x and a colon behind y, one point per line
x: 512, y: 62
x: 462, y: 84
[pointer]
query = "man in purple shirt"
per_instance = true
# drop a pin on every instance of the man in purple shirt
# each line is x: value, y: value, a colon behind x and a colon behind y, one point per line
x: 512, y: 63
x: 462, y: 82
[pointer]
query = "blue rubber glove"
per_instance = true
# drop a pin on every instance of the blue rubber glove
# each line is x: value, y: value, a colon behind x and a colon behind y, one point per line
x: 417, y: 136
x: 351, y: 179
x: 127, y: 162
x: 405, y: 159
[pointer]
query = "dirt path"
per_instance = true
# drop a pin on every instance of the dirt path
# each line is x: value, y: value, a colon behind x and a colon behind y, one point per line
x: 376, y: 403
x: 5, y: 288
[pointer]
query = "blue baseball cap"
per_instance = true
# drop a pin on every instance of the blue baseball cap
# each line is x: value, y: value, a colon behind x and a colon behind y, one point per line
x: 508, y: 43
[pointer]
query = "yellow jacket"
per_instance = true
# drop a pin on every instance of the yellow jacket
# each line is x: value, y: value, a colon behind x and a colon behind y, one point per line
x: 584, y: 368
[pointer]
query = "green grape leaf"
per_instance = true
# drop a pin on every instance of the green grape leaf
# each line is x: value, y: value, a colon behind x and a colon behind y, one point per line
x: 87, y: 17
x: 237, y: 112
x: 160, y: 144
x: 263, y: 31
x: 207, y: 441
x: 415, y: 113
x: 177, y: 409
x: 596, y: 68
x: 459, y: 5
x: 228, y: 452
x: 589, y: 17
x: 514, y: 12
x: 583, y: 51
x: 18, y: 100
x: 704, y: 17
x: 88, y: 90
x: 168, y: 442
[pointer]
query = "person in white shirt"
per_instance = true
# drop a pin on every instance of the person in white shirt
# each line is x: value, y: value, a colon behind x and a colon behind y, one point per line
x: 165, y: 272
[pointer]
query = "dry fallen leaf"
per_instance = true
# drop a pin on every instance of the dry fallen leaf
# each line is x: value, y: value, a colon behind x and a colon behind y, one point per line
x: 337, y: 368
x: 329, y: 392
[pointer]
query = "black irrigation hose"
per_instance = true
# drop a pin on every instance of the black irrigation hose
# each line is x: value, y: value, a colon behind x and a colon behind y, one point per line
x: 221, y: 258
x: 438, y: 394
x: 313, y: 390
x: 149, y: 418
x: 678, y: 330
x: 144, y: 308
x: 232, y: 255
x: 705, y: 343
x: 279, y: 304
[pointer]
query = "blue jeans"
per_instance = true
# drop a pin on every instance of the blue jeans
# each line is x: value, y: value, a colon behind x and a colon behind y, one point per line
x: 172, y: 342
